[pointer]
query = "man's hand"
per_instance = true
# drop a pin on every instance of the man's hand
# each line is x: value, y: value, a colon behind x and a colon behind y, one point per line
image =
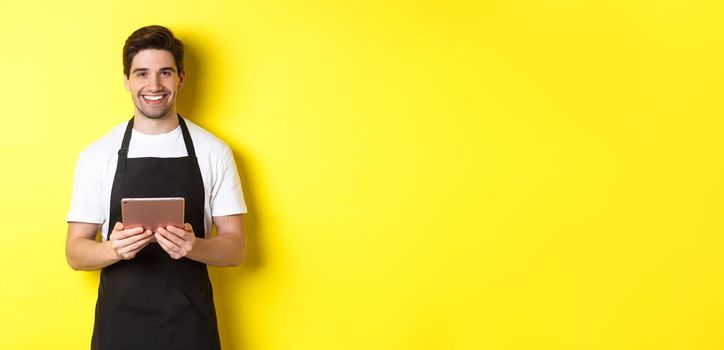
x: 177, y: 242
x: 127, y: 243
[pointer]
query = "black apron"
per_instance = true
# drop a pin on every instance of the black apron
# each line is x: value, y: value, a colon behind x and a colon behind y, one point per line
x: 153, y: 301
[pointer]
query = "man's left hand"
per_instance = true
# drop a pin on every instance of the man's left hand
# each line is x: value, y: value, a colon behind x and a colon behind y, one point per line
x: 175, y: 241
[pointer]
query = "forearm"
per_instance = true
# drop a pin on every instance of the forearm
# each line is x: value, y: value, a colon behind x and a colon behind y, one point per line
x: 222, y: 250
x: 88, y: 254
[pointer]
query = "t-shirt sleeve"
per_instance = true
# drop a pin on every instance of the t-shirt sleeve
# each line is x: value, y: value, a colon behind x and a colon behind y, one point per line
x: 227, y: 197
x: 85, y: 203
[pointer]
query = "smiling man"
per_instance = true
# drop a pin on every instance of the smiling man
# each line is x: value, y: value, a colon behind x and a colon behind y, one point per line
x: 154, y: 290
x: 154, y: 97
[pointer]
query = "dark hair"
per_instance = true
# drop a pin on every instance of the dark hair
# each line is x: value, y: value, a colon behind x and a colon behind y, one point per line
x: 152, y: 37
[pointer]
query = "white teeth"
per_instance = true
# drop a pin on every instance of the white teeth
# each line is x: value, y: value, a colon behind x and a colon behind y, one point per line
x: 153, y: 98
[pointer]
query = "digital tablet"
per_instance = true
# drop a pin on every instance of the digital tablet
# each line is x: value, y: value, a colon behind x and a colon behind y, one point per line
x: 152, y: 213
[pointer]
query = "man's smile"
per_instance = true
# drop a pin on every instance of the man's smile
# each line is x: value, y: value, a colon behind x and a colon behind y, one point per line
x: 153, y: 98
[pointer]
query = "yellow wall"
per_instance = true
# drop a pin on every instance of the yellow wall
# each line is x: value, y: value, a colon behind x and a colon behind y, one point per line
x: 420, y: 175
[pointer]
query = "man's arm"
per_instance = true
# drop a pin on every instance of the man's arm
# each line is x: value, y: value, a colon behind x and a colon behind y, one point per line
x: 83, y: 252
x: 226, y: 249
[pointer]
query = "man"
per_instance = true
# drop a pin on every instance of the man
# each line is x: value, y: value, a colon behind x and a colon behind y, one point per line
x: 154, y: 290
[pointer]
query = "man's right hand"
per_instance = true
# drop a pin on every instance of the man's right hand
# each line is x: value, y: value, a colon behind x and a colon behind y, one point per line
x: 127, y: 243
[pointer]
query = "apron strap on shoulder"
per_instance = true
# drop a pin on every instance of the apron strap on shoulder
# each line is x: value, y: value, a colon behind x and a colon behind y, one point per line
x: 123, y: 151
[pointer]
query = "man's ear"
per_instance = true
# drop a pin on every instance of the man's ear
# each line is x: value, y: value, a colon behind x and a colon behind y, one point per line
x: 181, y: 78
x: 125, y: 82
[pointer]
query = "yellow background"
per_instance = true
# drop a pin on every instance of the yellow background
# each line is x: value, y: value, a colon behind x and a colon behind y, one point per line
x: 420, y: 175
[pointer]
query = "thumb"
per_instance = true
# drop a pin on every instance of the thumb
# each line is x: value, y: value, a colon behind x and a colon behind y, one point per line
x: 118, y: 226
x: 187, y: 227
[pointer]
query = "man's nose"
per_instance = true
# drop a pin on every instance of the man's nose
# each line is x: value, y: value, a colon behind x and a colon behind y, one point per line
x: 155, y: 83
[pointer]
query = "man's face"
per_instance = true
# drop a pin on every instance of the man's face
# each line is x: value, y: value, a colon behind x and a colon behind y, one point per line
x: 153, y: 82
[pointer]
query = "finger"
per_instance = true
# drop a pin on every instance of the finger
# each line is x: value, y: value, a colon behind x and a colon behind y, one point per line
x: 177, y: 231
x: 167, y: 245
x: 135, y: 247
x: 114, y: 232
x: 147, y: 242
x: 172, y: 237
x: 120, y: 243
x: 170, y: 248
x: 188, y: 228
x: 118, y: 235
x: 135, y: 238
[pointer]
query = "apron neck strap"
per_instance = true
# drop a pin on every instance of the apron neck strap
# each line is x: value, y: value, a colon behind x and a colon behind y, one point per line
x: 187, y: 138
x: 123, y: 151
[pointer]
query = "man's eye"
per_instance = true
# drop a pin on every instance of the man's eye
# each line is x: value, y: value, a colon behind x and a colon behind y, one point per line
x: 166, y: 73
x: 141, y: 74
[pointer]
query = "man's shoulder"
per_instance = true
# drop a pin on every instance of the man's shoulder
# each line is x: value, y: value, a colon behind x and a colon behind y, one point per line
x: 107, y: 145
x: 204, y: 139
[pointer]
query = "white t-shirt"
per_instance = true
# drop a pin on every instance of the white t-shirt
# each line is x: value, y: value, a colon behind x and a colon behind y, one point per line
x: 96, y: 170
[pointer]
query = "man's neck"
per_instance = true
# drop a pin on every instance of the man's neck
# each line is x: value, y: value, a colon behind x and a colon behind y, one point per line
x: 158, y: 126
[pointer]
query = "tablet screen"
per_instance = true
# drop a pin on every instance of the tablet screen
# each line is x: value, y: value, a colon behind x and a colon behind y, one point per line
x: 152, y: 213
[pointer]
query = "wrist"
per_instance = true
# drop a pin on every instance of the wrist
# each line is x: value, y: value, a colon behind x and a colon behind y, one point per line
x: 111, y: 255
x: 194, y: 248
